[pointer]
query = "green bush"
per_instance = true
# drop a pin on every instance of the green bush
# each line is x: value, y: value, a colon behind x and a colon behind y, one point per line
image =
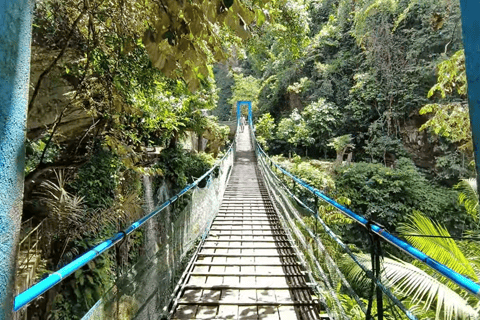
x: 310, y: 172
x: 183, y: 167
x: 315, y: 175
x: 98, y: 179
x: 389, y: 195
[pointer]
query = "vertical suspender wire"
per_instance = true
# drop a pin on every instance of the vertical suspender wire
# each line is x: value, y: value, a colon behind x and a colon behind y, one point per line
x: 462, y: 281
x: 385, y: 290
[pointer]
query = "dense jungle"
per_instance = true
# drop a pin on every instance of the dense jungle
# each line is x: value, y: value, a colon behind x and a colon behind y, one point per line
x: 366, y: 100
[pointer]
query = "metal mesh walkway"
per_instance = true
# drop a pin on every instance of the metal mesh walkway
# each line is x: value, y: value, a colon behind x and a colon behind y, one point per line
x: 247, y: 268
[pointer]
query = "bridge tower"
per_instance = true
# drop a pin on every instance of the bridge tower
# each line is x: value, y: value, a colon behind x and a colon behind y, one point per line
x: 471, y: 43
x: 15, y: 38
x: 239, y: 111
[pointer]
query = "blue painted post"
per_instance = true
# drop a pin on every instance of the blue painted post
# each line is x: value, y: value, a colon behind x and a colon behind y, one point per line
x: 471, y: 41
x: 15, y: 38
x: 238, y: 112
x: 250, y: 115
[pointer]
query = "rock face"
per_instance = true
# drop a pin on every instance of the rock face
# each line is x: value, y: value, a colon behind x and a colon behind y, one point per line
x: 422, y: 147
x: 54, y: 95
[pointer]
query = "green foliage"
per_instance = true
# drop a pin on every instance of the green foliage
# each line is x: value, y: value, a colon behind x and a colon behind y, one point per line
x: 264, y: 130
x: 34, y: 150
x: 315, y: 176
x: 216, y: 134
x: 468, y: 196
x: 97, y: 180
x: 224, y: 82
x: 265, y: 126
x: 451, y: 117
x: 274, y: 52
x: 354, y: 312
x: 133, y: 67
x: 300, y: 86
x: 450, y: 121
x: 452, y: 76
x: 135, y: 104
x: 368, y: 14
x: 322, y: 118
x: 341, y: 143
x: 380, y: 144
x: 331, y: 215
x: 453, y: 165
x: 286, y: 127
x: 371, y: 59
x: 86, y: 287
x: 441, y: 248
x: 427, y: 294
x: 310, y: 128
x: 183, y: 167
x: 62, y: 308
x: 93, y: 280
x: 294, y: 130
x: 245, y: 89
x: 185, y: 39
x: 389, y: 195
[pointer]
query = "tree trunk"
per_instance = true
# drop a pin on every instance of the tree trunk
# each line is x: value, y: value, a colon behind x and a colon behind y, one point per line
x: 339, y: 157
x: 349, y: 158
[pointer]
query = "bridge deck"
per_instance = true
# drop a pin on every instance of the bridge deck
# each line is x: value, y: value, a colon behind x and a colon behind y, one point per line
x: 246, y: 268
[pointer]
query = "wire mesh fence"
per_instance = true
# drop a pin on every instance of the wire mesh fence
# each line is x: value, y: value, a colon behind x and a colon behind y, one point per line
x: 310, y: 233
x: 325, y: 273
x: 146, y: 290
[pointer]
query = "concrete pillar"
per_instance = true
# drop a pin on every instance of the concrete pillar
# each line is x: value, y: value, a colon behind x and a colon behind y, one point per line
x: 15, y: 38
x: 471, y: 41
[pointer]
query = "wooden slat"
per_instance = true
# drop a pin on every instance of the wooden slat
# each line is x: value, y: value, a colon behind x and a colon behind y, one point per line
x: 246, y: 287
x: 248, y: 303
x: 247, y: 247
x: 247, y: 240
x: 244, y: 255
x: 245, y: 274
x: 245, y: 264
x: 248, y: 216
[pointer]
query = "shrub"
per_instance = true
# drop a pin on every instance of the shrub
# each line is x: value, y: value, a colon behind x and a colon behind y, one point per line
x: 183, y: 167
x: 98, y: 179
x: 389, y: 195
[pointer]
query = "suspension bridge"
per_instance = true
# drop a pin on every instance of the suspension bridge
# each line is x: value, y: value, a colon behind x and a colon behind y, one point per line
x: 247, y: 267
x: 250, y: 264
x: 250, y: 253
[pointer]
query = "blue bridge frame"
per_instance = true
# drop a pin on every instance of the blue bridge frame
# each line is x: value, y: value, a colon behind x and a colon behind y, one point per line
x: 471, y: 40
x: 239, y: 110
x: 15, y: 38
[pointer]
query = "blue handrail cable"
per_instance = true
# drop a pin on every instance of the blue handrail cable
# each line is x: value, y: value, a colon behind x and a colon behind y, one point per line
x: 332, y: 235
x: 38, y: 289
x: 459, y: 279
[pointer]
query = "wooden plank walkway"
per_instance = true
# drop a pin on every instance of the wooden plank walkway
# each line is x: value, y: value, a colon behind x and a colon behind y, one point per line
x: 247, y: 268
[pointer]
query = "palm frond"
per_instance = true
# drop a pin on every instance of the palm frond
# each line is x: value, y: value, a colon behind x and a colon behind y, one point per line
x: 469, y: 196
x: 441, y: 248
x: 65, y: 210
x: 421, y: 288
x: 471, y: 250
